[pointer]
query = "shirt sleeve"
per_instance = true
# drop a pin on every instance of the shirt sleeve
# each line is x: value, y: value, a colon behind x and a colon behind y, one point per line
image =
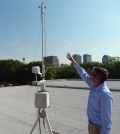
x: 106, y: 109
x: 83, y: 74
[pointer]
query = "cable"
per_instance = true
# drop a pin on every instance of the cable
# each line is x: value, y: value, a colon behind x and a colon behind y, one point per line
x: 37, y: 44
x: 54, y: 108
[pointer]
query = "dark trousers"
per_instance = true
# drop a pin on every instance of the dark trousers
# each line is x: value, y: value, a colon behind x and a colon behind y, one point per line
x: 94, y: 128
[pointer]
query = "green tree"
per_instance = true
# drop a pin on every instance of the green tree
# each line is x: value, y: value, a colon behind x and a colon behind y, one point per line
x: 114, y: 59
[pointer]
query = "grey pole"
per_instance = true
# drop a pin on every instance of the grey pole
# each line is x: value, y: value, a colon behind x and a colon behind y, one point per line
x: 42, y: 19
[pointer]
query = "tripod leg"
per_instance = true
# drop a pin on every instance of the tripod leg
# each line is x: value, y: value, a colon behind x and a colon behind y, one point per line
x: 39, y: 123
x: 48, y: 124
x: 34, y: 125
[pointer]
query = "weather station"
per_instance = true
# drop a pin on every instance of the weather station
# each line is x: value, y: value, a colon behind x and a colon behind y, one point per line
x: 42, y: 99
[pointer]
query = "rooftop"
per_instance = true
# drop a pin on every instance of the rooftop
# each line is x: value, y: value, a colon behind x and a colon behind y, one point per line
x: 67, y: 111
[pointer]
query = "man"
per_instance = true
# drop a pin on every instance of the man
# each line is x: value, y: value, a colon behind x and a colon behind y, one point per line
x: 100, y: 100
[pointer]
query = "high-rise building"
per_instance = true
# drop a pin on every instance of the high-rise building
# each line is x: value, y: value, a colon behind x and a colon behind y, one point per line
x: 105, y: 58
x: 87, y: 58
x: 52, y: 60
x: 77, y: 58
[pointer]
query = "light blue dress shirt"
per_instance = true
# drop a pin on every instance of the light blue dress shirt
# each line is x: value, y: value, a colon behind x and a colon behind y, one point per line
x: 99, y: 102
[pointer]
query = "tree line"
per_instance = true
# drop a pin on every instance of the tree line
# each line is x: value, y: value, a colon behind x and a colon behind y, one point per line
x: 18, y: 73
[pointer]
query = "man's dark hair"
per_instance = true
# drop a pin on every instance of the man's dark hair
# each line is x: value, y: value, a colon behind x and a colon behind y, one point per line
x: 101, y: 73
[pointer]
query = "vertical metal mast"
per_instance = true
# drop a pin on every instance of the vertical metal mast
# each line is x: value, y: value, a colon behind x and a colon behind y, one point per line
x: 42, y: 98
x: 42, y: 19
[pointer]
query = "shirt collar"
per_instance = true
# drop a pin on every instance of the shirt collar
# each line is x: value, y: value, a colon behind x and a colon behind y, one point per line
x: 100, y: 87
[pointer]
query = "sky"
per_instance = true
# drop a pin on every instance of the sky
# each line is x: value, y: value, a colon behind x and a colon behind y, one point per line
x: 75, y: 26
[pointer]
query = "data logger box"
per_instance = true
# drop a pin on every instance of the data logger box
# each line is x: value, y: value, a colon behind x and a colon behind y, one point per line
x: 42, y: 100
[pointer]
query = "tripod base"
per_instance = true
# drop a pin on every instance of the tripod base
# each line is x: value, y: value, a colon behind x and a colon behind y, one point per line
x: 42, y: 114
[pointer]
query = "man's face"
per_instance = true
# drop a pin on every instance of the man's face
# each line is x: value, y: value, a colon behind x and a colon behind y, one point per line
x: 94, y: 78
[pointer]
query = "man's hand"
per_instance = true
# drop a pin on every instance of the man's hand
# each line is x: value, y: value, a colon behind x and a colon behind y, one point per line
x: 70, y: 57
